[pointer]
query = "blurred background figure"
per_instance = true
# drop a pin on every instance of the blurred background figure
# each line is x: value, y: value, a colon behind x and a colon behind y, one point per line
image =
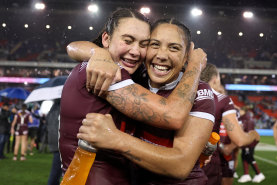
x: 247, y: 152
x: 21, y: 120
x: 4, y: 127
x: 52, y: 122
x: 33, y: 128
x: 275, y: 132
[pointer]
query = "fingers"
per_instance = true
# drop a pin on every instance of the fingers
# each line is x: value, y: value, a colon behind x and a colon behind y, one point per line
x: 105, y: 86
x: 99, y: 83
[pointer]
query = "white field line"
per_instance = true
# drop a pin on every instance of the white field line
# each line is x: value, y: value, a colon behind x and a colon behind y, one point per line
x: 266, y: 160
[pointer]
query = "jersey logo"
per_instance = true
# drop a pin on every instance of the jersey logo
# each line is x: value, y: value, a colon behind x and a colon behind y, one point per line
x: 203, y: 94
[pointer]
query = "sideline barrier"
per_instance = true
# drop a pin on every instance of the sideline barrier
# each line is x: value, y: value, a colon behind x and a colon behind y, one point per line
x: 265, y: 132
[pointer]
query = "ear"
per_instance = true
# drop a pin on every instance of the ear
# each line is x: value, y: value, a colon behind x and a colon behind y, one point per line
x: 105, y: 39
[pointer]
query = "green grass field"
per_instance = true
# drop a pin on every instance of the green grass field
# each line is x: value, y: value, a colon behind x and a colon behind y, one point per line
x: 35, y: 170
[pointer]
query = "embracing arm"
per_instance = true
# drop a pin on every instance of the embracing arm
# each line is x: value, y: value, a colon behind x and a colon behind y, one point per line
x: 235, y: 132
x: 139, y: 103
x: 176, y: 162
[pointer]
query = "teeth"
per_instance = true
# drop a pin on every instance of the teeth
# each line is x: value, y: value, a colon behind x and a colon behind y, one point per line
x: 130, y: 61
x: 162, y: 68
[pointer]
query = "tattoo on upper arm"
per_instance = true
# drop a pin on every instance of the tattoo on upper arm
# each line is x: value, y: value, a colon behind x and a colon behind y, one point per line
x: 228, y: 124
x: 128, y: 154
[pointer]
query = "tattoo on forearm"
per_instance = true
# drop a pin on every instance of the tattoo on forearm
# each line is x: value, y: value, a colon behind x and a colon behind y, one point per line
x: 102, y: 60
x: 133, y: 104
x: 186, y: 90
x: 228, y: 124
x: 163, y: 101
x: 128, y: 154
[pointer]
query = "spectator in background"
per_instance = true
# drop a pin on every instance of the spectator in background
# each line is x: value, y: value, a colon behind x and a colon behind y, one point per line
x: 52, y: 122
x: 33, y: 127
x: 247, y: 153
x: 4, y: 128
x: 21, y: 120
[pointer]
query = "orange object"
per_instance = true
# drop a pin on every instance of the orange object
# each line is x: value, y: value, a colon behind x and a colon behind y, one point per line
x: 79, y: 168
x: 209, y: 148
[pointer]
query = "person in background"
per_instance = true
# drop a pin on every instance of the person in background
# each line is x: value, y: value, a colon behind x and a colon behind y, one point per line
x: 247, y: 152
x: 226, y: 113
x: 11, y: 140
x: 21, y: 120
x: 52, y: 122
x: 275, y: 132
x: 4, y: 127
x: 33, y: 127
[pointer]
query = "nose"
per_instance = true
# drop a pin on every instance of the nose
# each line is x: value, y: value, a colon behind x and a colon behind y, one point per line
x: 162, y: 54
x: 135, y: 50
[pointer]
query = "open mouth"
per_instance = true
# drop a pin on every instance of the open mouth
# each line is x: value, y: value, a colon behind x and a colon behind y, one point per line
x: 129, y: 63
x: 160, y: 69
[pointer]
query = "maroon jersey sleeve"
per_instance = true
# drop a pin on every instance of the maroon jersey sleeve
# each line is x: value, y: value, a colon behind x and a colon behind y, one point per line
x: 226, y: 103
x: 204, y: 106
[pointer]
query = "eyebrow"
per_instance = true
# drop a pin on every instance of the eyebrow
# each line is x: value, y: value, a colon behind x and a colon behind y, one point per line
x: 133, y: 38
x: 169, y: 43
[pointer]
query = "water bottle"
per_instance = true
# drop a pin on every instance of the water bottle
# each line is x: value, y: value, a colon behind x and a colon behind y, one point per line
x: 78, y: 170
x: 209, y: 148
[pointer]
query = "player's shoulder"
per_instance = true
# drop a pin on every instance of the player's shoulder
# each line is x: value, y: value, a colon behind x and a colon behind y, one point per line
x: 204, y: 91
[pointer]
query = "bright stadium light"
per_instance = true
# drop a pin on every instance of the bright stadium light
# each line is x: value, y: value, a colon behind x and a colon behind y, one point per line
x: 240, y: 34
x: 247, y: 15
x: 145, y: 10
x: 47, y: 26
x: 69, y: 27
x: 261, y: 34
x: 93, y: 8
x: 198, y: 32
x: 26, y: 25
x: 196, y: 12
x: 219, y: 33
x: 90, y: 28
x: 39, y: 6
x: 4, y: 25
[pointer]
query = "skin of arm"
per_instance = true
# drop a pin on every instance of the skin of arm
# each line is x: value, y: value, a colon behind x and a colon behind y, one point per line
x: 227, y: 149
x: 176, y: 162
x: 13, y: 124
x: 139, y: 103
x: 235, y: 132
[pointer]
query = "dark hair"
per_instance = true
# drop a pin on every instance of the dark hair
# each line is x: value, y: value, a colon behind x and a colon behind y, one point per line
x: 113, y: 22
x: 177, y: 23
x: 207, y: 73
x: 24, y: 106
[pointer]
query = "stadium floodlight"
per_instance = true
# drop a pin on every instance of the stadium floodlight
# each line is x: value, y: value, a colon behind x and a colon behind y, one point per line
x: 219, y: 33
x: 26, y: 25
x: 90, y: 28
x: 145, y: 10
x: 69, y: 27
x: 196, y: 12
x: 198, y: 32
x: 39, y: 6
x: 248, y: 15
x: 261, y: 34
x: 4, y: 25
x: 93, y: 8
x: 47, y: 26
x: 240, y: 34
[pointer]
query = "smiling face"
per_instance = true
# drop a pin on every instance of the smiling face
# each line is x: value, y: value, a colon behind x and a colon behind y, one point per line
x: 166, y: 54
x: 128, y: 43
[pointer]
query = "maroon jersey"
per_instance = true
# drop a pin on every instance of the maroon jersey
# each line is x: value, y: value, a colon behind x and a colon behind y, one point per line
x: 248, y: 125
x: 22, y: 122
x: 203, y: 107
x: 76, y: 102
x: 223, y: 106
